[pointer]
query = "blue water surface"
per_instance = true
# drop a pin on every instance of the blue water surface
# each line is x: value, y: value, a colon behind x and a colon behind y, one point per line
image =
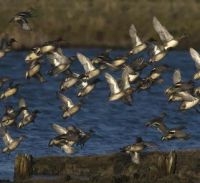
x: 115, y: 124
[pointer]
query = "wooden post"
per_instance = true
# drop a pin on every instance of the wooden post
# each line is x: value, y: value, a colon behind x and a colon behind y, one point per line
x: 23, y: 167
x: 171, y: 162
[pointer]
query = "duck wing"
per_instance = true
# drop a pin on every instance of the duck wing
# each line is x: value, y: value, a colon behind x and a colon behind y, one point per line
x: 177, y: 76
x: 196, y: 57
x: 57, y: 58
x: 114, y: 88
x: 186, y: 96
x: 22, y: 103
x: 85, y: 61
x: 163, y: 33
x: 6, y: 136
x: 59, y: 129
x: 125, y: 79
x: 134, y: 37
x: 66, y: 101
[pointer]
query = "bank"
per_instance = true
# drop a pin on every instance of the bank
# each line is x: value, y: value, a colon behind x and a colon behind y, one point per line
x: 100, y: 23
x: 116, y: 168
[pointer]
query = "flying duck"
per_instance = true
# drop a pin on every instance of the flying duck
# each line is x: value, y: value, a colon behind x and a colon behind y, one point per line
x: 138, y: 45
x: 10, y: 143
x: 26, y: 115
x: 90, y: 70
x: 22, y: 19
x: 115, y: 92
x: 168, y: 40
x: 68, y: 107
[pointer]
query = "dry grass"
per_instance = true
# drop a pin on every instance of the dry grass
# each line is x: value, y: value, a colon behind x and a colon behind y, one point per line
x: 101, y: 23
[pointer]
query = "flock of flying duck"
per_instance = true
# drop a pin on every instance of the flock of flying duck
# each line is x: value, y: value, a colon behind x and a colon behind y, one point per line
x: 120, y: 89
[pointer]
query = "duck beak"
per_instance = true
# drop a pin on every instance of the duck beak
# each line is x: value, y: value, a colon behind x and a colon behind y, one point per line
x: 50, y: 143
x: 147, y: 124
x: 163, y: 138
x: 26, y: 76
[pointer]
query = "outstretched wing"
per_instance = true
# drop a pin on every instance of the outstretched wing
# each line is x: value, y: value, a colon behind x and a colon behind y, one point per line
x: 114, y: 88
x: 85, y: 61
x: 177, y: 76
x: 22, y: 103
x: 66, y: 101
x: 5, y: 136
x: 125, y: 78
x: 163, y: 33
x: 196, y: 57
x: 59, y: 129
x: 134, y: 37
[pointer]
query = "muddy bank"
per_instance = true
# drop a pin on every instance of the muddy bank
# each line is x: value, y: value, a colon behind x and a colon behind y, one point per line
x: 100, y: 23
x: 114, y: 168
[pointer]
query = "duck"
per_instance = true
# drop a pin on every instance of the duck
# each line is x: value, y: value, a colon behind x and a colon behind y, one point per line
x: 10, y: 91
x: 6, y: 45
x: 90, y: 70
x: 86, y: 86
x: 70, y: 80
x: 34, y: 55
x: 27, y: 116
x: 10, y: 143
x: 50, y: 46
x: 168, y: 134
x: 59, y: 62
x: 68, y: 137
x: 157, y: 122
x: 135, y: 149
x: 75, y: 135
x: 175, y: 134
x: 157, y: 52
x: 10, y: 115
x: 69, y: 108
x: 179, y: 85
x: 61, y: 141
x: 138, y: 45
x: 189, y: 101
x: 115, y: 92
x: 22, y: 19
x: 167, y: 39
x: 34, y: 72
x: 154, y: 77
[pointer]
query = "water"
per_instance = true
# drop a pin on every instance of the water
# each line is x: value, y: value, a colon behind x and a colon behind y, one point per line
x: 115, y: 124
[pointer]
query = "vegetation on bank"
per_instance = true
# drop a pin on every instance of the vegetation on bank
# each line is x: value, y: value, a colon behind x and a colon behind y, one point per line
x: 112, y: 168
x: 99, y: 23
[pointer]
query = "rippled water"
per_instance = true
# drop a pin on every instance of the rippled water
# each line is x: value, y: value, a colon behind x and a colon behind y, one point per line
x: 115, y: 123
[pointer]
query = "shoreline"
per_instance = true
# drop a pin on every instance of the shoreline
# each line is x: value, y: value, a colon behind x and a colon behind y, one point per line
x: 115, y: 167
